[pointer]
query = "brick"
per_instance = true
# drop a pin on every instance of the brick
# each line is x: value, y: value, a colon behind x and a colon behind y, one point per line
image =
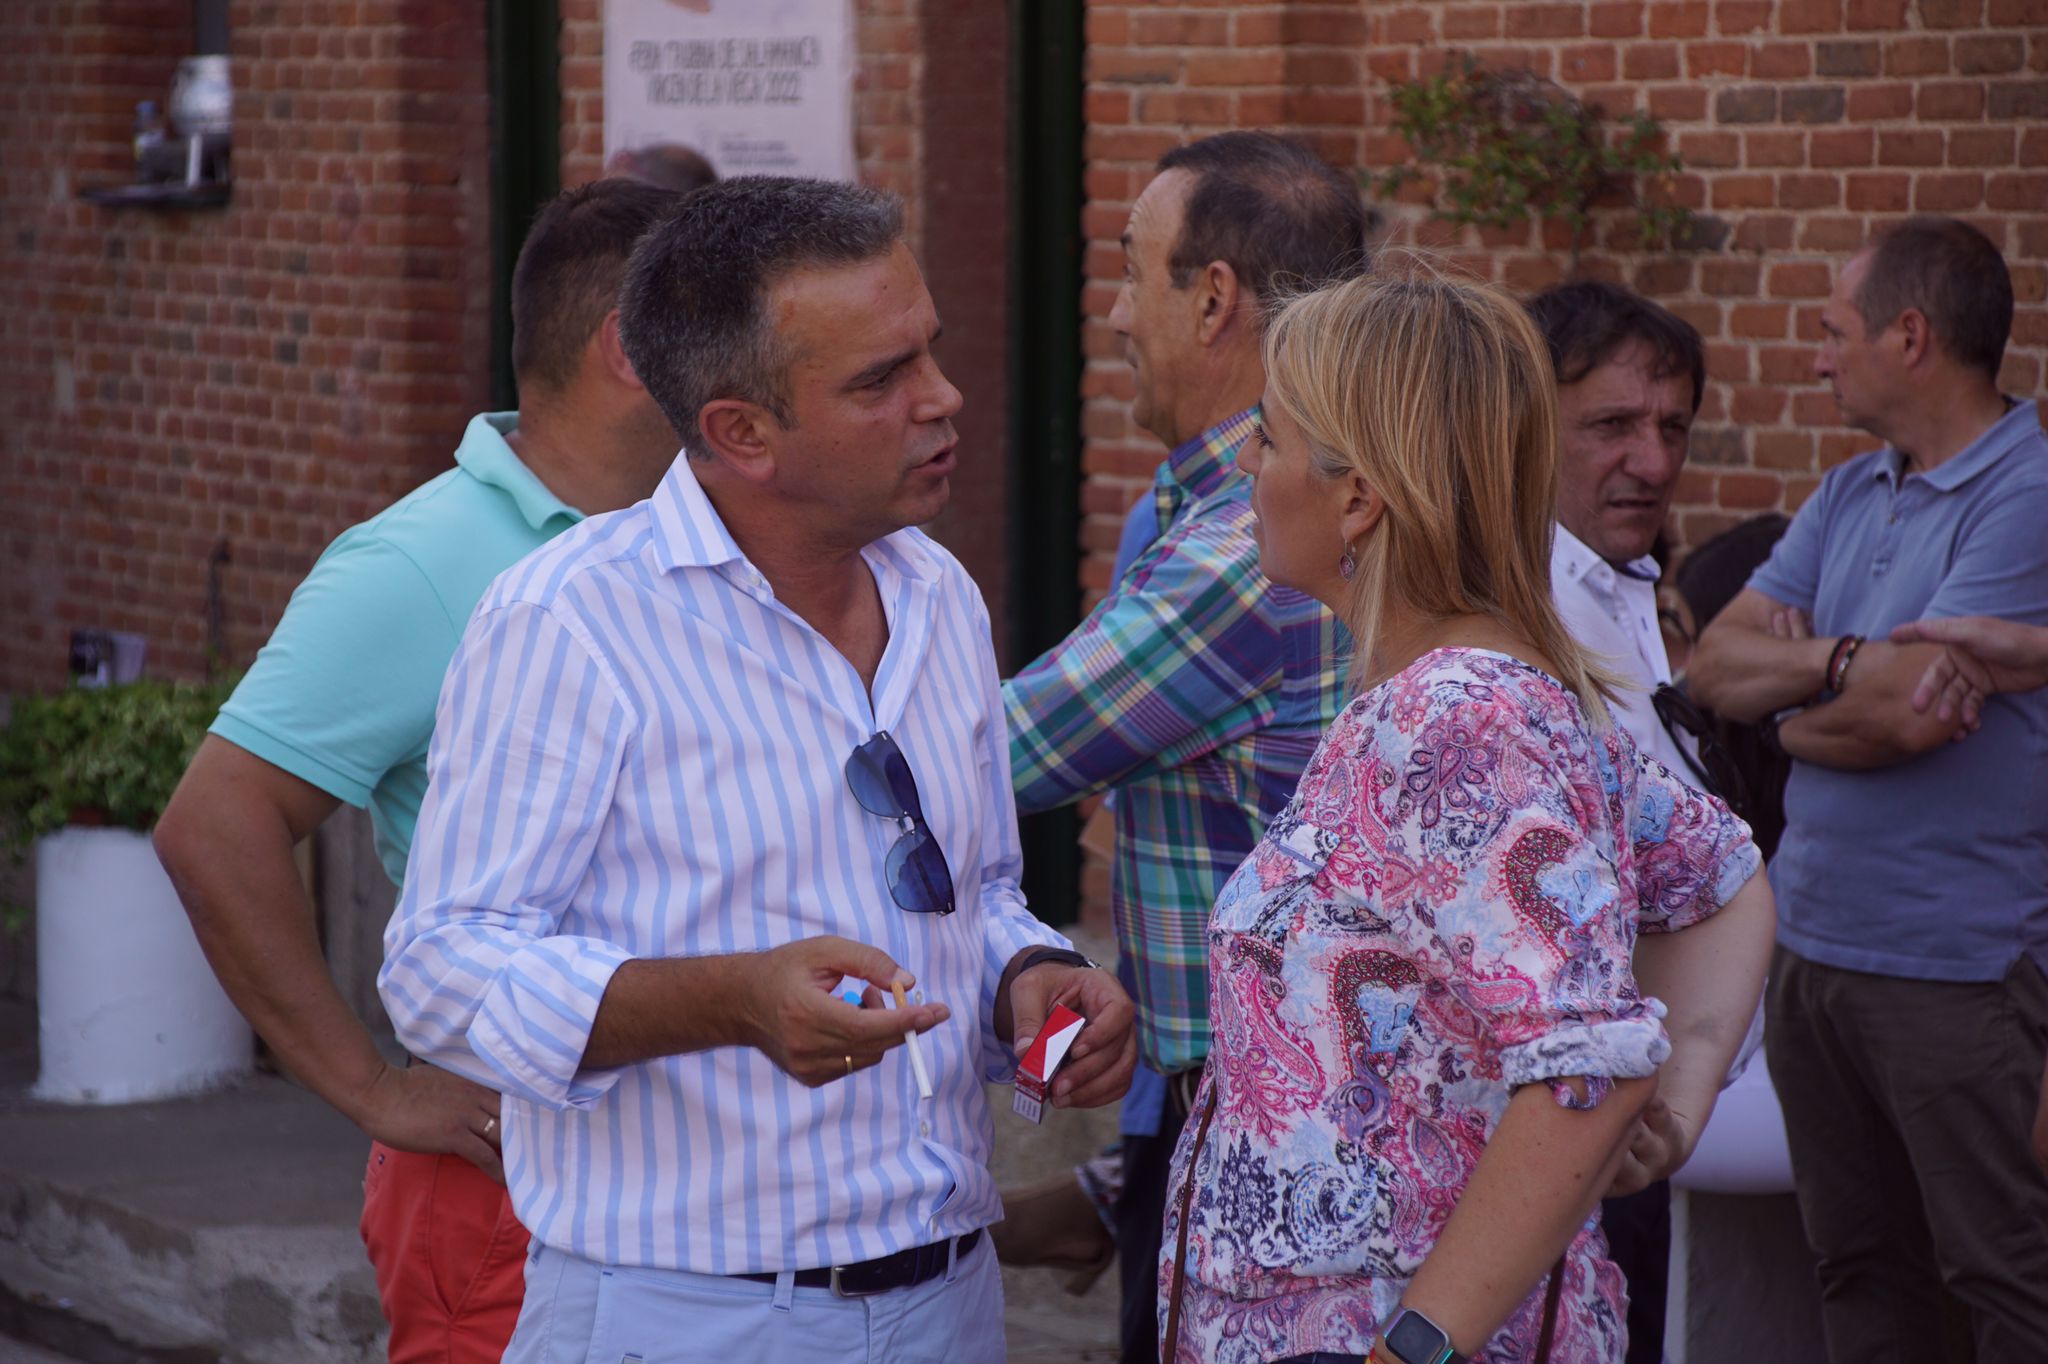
x: 1813, y: 104
x: 1759, y: 321
x: 1747, y: 104
x: 1766, y: 232
x: 1799, y: 279
x: 1774, y: 149
x: 1809, y: 191
x: 1876, y: 14
x: 1751, y: 492
x: 1990, y: 54
x: 1785, y: 364
x: 1755, y: 405
x: 1880, y: 193
x: 1677, y: 103
x: 1810, y: 16
x: 1909, y: 148
x: 1916, y: 57
x: 1131, y: 66
x: 1983, y: 146
x: 1715, y: 59
x: 1545, y: 21
x: 1468, y: 23
x: 1731, y: 278
x: 1955, y: 192
x: 1207, y: 107
x: 1942, y: 101
x: 1650, y: 62
x: 1710, y: 151
x: 2017, y: 99
x: 2018, y: 192
x: 1680, y: 18
x: 1588, y: 62
x: 1733, y: 18
x: 1846, y: 59
x: 1781, y: 61
x: 1609, y: 19
x: 2016, y: 14
x: 1236, y: 68
x: 1329, y: 25
x: 1950, y: 13
x: 1844, y: 148
x: 1179, y: 28
x: 1869, y: 103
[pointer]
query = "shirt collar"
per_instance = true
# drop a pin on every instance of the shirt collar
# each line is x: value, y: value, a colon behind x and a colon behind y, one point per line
x: 1973, y: 459
x: 1205, y: 463
x: 1575, y: 560
x: 487, y: 457
x: 689, y: 533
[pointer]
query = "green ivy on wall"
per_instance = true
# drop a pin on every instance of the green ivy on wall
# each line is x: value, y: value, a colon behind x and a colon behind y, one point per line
x: 1508, y: 146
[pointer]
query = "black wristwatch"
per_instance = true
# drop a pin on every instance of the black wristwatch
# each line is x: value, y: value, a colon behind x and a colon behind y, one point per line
x: 1038, y: 956
x: 1415, y: 1339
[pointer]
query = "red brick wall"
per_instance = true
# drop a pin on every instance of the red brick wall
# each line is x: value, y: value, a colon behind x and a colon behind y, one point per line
x: 264, y: 374
x: 1805, y: 123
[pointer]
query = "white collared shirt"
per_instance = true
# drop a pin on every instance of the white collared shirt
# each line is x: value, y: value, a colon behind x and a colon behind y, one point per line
x: 640, y: 753
x: 1614, y: 615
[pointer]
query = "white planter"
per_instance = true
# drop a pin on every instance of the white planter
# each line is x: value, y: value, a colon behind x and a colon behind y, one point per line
x: 129, y: 1008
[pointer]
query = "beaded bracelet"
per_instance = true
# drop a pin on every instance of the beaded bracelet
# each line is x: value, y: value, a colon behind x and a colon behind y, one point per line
x: 1838, y: 660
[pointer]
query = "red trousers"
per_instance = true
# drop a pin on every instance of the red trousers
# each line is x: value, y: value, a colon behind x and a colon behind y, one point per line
x: 448, y: 1254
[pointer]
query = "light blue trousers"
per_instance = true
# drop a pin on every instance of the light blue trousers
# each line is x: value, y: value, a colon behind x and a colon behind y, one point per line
x: 581, y: 1312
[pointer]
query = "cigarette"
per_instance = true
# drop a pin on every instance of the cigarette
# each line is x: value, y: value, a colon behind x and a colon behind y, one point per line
x: 917, y: 1066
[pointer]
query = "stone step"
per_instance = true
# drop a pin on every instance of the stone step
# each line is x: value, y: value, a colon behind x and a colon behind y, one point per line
x: 218, y: 1227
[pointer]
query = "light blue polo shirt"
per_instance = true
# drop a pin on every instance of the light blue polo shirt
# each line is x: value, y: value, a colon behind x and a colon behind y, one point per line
x: 1935, y: 868
x: 343, y: 695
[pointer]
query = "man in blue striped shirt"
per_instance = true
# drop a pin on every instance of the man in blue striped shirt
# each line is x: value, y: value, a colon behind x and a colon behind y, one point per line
x: 697, y: 761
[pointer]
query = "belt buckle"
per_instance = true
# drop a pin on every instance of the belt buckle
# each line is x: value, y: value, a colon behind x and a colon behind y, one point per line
x: 839, y: 1289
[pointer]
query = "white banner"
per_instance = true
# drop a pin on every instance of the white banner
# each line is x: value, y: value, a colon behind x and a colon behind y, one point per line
x: 757, y: 87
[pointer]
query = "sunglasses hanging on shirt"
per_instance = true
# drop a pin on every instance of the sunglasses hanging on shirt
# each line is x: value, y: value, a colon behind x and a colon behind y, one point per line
x: 880, y: 778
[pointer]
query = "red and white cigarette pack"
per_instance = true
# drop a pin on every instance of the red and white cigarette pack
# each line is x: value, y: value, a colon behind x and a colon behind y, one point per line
x: 1048, y: 1050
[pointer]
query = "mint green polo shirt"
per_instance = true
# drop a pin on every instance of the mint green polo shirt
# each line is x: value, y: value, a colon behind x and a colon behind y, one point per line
x: 343, y: 695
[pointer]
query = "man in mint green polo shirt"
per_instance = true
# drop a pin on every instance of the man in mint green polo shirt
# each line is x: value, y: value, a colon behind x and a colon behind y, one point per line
x: 339, y: 706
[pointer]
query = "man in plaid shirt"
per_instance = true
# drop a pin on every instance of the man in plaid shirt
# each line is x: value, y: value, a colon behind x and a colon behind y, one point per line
x: 1196, y: 690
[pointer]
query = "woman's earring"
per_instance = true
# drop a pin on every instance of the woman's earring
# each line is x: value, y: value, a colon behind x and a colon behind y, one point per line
x: 1347, y: 565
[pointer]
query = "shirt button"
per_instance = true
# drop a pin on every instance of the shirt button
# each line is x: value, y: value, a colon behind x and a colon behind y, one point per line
x: 924, y: 1129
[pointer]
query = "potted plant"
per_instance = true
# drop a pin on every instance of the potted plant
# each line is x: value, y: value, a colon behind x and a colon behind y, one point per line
x: 129, y: 1009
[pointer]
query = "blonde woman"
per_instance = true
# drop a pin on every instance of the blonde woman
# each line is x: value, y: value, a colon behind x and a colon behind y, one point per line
x: 1432, y: 1053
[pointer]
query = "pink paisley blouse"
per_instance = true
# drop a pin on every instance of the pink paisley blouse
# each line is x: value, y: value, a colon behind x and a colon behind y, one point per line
x: 1444, y: 912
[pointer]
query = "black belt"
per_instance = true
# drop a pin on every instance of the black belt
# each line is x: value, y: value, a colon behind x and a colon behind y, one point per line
x: 1181, y: 1087
x: 904, y: 1269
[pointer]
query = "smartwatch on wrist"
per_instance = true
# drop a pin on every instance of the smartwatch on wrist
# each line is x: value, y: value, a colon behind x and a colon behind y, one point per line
x: 1415, y: 1339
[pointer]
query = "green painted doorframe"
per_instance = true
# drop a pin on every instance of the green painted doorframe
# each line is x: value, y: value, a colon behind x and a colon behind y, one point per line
x: 526, y: 154
x: 1045, y: 385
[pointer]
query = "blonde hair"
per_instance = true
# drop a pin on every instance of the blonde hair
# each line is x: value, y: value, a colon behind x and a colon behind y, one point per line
x: 1437, y: 393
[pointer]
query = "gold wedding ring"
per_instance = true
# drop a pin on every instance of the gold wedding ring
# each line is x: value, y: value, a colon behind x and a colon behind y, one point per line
x: 849, y: 1065
x: 490, y: 1126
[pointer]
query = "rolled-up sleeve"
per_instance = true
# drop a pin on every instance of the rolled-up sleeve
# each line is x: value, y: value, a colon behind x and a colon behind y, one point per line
x: 529, y: 740
x: 1531, y: 931
x: 1691, y: 852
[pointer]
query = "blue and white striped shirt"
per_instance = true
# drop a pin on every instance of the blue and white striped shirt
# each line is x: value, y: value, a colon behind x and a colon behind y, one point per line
x: 640, y: 753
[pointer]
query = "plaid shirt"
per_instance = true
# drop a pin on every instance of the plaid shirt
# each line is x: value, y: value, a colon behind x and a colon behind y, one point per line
x: 1198, y: 691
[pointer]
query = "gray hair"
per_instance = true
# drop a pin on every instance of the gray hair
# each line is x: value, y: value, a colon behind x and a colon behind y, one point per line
x: 692, y: 311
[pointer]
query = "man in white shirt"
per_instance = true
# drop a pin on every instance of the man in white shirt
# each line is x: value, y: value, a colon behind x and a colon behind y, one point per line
x: 697, y: 761
x: 1629, y: 377
x: 1629, y: 380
